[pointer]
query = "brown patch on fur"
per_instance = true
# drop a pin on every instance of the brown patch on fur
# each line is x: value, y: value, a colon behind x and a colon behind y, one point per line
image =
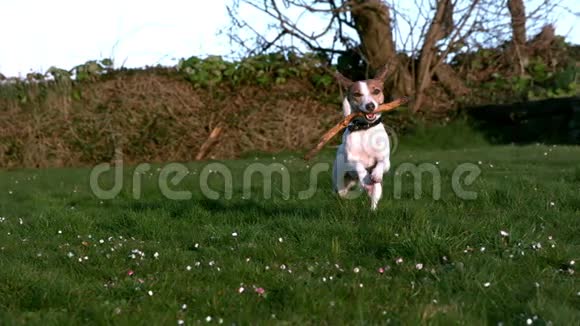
x: 354, y: 92
x: 376, y: 90
x: 374, y: 85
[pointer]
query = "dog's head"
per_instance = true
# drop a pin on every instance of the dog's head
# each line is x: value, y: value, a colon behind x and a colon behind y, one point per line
x: 366, y: 95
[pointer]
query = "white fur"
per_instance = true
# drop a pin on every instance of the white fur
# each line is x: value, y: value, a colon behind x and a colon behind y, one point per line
x: 346, y: 109
x: 363, y: 153
x: 366, y: 97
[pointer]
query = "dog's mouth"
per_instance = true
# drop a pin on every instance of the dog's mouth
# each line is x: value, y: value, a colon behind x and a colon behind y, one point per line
x: 370, y: 116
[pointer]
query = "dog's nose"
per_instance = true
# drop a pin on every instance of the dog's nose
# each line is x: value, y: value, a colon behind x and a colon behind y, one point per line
x: 370, y: 106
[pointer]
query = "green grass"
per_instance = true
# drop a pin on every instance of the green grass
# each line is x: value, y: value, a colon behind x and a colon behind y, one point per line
x: 317, y: 259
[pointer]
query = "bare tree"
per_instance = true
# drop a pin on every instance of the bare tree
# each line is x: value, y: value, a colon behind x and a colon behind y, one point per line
x: 353, y: 26
x: 440, y: 28
x: 380, y: 32
x: 372, y: 22
x: 518, y: 21
x: 518, y: 24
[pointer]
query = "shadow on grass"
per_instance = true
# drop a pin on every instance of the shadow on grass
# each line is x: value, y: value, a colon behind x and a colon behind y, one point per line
x: 266, y: 209
x: 551, y: 121
x: 183, y: 209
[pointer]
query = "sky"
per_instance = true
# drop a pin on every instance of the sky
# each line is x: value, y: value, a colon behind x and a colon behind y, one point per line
x: 38, y: 34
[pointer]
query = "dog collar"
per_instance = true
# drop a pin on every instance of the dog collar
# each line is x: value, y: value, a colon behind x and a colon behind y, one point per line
x: 357, y: 125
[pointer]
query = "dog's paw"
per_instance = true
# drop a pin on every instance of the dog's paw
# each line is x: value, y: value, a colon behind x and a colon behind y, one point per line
x: 343, y: 193
x: 369, y: 188
x: 377, y: 176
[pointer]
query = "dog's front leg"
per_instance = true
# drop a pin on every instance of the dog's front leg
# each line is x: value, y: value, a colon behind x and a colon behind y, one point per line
x: 379, y: 170
x: 375, y: 194
x: 375, y: 190
x: 363, y: 176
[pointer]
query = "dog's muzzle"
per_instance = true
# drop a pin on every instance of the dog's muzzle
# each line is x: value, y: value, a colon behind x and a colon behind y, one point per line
x: 370, y: 107
x: 367, y: 109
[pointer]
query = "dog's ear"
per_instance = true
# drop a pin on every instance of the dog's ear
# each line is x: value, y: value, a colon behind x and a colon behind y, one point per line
x: 343, y: 81
x: 383, y: 73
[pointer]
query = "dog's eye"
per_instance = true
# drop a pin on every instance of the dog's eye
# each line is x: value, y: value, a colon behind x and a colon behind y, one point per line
x: 357, y: 94
x: 376, y: 91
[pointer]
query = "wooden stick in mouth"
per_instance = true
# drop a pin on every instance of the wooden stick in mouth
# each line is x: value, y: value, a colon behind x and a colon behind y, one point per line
x: 344, y: 123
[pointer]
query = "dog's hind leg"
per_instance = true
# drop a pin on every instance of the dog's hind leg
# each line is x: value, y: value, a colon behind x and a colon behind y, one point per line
x: 343, y: 180
x: 348, y: 183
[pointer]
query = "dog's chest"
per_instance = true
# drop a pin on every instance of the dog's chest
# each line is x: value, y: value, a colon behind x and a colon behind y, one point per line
x: 367, y: 146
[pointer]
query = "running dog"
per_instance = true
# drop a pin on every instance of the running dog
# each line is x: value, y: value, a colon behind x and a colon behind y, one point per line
x: 363, y: 156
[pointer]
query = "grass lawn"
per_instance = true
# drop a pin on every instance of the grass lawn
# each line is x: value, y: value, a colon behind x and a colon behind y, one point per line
x: 68, y: 257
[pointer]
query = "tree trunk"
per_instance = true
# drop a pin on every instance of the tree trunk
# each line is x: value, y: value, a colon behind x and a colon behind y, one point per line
x: 518, y: 17
x: 373, y: 24
x: 518, y: 22
x: 437, y: 31
x: 449, y: 79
